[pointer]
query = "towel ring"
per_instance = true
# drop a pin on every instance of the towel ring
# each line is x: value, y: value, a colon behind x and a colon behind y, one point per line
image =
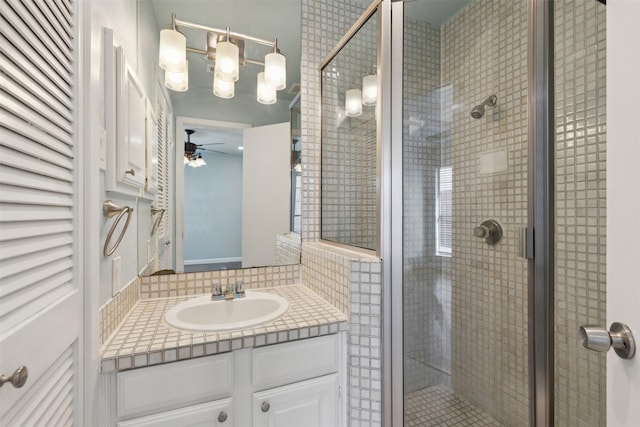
x: 156, y: 223
x: 110, y: 209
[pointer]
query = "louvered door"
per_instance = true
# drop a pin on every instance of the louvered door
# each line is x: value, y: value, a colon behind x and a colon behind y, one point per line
x: 164, y: 195
x: 40, y: 301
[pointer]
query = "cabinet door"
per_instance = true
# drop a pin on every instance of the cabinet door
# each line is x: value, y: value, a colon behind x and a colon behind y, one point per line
x: 130, y: 127
x: 311, y: 403
x: 211, y: 414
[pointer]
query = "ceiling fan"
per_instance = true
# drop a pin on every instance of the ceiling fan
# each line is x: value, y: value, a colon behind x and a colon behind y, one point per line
x: 191, y: 150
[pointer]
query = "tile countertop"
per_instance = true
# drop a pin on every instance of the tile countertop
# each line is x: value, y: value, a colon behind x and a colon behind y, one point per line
x: 145, y: 339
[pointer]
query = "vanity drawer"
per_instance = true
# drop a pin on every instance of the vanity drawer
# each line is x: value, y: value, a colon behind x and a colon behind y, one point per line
x: 174, y: 384
x: 282, y: 364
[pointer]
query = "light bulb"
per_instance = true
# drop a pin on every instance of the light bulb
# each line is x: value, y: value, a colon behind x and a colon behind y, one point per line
x: 223, y: 88
x: 227, y: 61
x: 178, y: 82
x: 275, y: 70
x: 353, y: 103
x: 370, y: 90
x: 266, y: 92
x: 173, y: 51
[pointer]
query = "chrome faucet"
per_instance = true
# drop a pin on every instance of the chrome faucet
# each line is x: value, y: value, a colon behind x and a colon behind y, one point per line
x: 217, y: 292
x: 240, y: 293
x: 228, y: 293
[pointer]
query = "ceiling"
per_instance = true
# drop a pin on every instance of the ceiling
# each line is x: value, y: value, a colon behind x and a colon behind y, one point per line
x: 435, y: 12
x: 265, y: 19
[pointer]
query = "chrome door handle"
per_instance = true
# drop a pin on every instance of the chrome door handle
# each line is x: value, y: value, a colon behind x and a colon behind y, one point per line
x: 17, y: 379
x: 619, y: 337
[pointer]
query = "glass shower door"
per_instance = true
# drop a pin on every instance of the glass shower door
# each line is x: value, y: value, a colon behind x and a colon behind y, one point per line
x: 464, y: 135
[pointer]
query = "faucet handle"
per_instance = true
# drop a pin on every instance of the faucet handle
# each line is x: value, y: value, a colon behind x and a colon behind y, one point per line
x: 240, y: 289
x: 217, y: 292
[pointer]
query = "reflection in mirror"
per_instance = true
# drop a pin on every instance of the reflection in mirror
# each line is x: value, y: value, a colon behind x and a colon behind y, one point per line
x: 217, y: 209
x: 349, y: 141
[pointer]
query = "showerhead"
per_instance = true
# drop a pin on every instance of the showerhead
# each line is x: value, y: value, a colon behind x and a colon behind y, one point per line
x: 479, y: 110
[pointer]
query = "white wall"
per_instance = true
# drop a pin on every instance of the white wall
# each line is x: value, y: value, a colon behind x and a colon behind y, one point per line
x: 265, y: 192
x: 213, y: 208
x: 140, y: 46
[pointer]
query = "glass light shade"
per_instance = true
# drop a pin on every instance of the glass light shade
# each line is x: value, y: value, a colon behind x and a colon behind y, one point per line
x: 353, y: 103
x: 186, y: 160
x: 223, y: 88
x: 199, y: 161
x: 178, y: 82
x: 275, y: 70
x: 266, y: 92
x: 227, y: 61
x: 173, y: 51
x: 370, y: 90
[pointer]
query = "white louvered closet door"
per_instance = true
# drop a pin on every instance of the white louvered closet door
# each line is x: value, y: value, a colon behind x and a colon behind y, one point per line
x: 164, y: 195
x: 40, y: 300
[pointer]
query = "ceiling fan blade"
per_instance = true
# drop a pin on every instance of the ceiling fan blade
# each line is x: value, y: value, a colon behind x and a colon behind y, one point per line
x: 212, y: 143
x: 213, y: 151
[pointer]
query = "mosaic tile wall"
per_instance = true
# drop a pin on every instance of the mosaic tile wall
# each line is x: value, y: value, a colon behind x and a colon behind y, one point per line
x: 323, y: 25
x: 288, y: 248
x: 352, y: 282
x: 484, y: 52
x: 427, y: 292
x: 580, y: 91
x: 113, y: 312
x: 349, y: 146
x: 172, y: 285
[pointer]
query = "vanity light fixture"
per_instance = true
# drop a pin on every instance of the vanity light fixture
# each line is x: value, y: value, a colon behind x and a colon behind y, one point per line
x: 353, y: 103
x: 226, y: 49
x: 266, y: 91
x: 178, y: 82
x: 370, y: 89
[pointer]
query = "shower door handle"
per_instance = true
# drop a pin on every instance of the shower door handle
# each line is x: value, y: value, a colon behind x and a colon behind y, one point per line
x: 599, y: 339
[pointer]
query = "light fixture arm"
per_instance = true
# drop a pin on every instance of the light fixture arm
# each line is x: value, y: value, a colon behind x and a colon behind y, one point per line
x: 182, y: 23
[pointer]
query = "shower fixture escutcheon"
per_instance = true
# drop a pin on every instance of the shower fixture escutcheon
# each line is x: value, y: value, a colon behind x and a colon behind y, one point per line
x: 490, y: 231
x: 479, y: 110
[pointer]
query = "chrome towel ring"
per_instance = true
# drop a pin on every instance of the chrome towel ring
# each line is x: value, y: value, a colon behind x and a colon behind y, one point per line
x: 110, y: 209
x: 155, y: 211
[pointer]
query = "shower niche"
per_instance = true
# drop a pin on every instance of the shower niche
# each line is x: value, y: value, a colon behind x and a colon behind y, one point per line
x: 350, y: 140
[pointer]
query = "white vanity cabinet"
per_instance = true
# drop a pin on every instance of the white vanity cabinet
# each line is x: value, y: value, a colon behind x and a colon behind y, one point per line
x: 298, y: 383
x: 311, y: 403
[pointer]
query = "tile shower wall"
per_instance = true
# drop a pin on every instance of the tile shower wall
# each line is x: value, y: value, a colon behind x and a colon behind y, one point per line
x: 580, y: 270
x: 427, y: 291
x: 323, y: 25
x: 349, y: 146
x: 351, y: 281
x: 328, y: 270
x: 484, y: 52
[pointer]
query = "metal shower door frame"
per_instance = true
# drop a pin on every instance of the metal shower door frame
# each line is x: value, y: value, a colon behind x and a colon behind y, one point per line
x: 540, y: 211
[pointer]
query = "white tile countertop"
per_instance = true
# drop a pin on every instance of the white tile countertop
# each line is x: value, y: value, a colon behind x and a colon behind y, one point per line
x: 145, y: 339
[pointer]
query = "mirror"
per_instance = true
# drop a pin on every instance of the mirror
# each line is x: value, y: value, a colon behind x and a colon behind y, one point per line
x: 349, y: 198
x: 213, y: 203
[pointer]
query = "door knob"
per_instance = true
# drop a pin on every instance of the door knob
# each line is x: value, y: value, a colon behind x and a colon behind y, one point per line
x: 17, y: 379
x: 619, y: 337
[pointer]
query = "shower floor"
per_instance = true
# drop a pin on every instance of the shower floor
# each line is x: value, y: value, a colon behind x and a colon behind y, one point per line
x: 440, y: 406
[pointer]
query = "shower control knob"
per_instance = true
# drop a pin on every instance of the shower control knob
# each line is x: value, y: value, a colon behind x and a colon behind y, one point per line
x: 490, y: 231
x: 619, y: 337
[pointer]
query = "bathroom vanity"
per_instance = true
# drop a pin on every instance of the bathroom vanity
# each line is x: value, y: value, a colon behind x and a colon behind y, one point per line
x: 289, y: 372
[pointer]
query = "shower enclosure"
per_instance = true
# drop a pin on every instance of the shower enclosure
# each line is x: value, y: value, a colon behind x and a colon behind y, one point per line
x: 490, y: 123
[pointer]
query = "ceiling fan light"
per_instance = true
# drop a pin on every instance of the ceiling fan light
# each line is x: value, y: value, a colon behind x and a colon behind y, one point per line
x: 227, y: 61
x: 275, y: 70
x: 223, y: 88
x: 266, y: 92
x: 173, y: 51
x: 178, y: 82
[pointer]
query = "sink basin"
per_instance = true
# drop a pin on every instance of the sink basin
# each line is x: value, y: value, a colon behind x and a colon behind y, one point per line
x: 202, y: 314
